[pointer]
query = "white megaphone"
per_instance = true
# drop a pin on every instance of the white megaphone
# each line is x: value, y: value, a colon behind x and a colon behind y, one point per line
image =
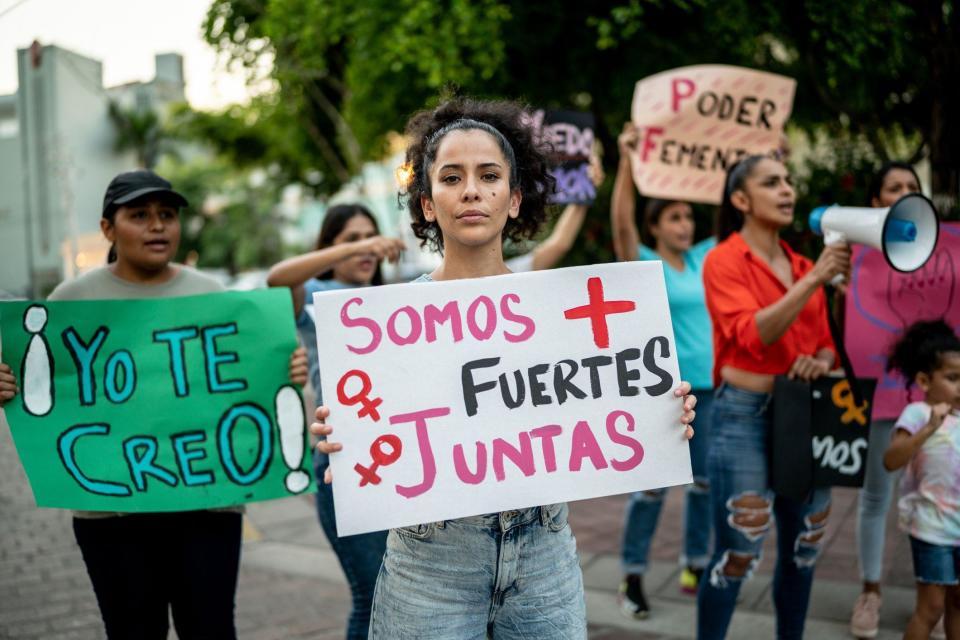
x: 906, y: 232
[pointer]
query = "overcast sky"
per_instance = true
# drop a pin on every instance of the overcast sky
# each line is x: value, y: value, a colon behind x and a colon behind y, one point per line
x: 124, y: 35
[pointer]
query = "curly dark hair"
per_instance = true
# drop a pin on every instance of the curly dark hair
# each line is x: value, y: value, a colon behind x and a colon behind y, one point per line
x: 921, y: 349
x: 426, y: 129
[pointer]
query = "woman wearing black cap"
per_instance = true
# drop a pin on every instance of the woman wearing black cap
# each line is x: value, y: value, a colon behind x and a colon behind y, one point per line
x: 141, y: 219
x: 145, y: 565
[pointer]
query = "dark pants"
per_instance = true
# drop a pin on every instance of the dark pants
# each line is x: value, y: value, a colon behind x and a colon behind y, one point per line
x: 360, y: 556
x: 141, y: 565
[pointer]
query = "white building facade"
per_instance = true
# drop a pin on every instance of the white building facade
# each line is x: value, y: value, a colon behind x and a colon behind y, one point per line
x: 57, y: 157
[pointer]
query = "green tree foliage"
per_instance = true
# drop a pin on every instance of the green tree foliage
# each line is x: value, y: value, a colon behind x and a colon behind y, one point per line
x: 137, y: 130
x: 869, y: 70
x: 874, y: 74
x: 231, y: 221
x: 347, y: 73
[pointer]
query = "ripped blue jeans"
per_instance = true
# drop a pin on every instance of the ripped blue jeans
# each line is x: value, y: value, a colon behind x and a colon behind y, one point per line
x: 744, y: 508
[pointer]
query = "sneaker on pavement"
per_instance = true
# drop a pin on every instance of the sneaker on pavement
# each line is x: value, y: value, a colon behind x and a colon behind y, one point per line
x: 865, y: 621
x: 690, y: 580
x: 938, y: 632
x: 633, y: 603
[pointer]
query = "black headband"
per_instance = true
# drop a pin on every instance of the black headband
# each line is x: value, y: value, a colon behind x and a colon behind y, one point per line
x: 743, y: 166
x: 430, y: 149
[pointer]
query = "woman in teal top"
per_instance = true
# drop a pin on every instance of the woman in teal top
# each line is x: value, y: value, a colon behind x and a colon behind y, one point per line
x: 668, y: 227
x: 348, y: 254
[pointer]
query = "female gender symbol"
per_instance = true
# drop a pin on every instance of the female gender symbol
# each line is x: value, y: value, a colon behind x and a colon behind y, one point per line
x: 380, y: 458
x: 369, y: 406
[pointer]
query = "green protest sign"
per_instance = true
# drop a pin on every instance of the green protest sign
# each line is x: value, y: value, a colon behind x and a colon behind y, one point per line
x: 156, y: 404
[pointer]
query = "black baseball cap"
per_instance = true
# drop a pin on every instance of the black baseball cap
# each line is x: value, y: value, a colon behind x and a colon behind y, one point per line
x: 130, y: 185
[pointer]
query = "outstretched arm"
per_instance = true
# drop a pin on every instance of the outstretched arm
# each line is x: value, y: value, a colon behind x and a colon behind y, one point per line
x: 623, y: 204
x: 295, y: 271
x: 551, y: 251
x: 548, y: 253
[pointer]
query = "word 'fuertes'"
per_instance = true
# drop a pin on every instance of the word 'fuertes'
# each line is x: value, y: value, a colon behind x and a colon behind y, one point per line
x: 569, y: 378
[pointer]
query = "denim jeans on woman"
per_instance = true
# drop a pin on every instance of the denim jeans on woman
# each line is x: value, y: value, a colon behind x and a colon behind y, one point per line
x: 360, y: 555
x: 743, y: 504
x: 510, y: 575
x: 875, y: 498
x: 643, y: 508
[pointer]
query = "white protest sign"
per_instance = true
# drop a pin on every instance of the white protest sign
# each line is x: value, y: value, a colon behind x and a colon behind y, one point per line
x: 697, y: 121
x: 475, y: 396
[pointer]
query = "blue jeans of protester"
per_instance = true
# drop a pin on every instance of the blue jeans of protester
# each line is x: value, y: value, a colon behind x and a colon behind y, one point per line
x: 510, y: 575
x: 360, y: 555
x: 875, y: 498
x: 643, y: 508
x: 742, y: 507
x: 935, y: 563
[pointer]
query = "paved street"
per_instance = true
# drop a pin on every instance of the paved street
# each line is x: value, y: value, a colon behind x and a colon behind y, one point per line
x: 291, y: 586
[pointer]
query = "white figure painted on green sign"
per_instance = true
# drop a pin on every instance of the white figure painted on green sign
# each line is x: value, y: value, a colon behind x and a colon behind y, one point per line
x: 37, y: 364
x: 292, y: 422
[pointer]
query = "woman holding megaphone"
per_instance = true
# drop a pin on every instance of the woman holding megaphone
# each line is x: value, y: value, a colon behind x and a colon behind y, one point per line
x: 769, y: 317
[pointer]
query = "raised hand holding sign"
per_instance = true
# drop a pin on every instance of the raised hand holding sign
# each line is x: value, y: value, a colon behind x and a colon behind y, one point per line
x: 696, y: 122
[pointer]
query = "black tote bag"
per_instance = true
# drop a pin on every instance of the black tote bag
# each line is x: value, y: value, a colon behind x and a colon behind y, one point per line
x: 820, y: 434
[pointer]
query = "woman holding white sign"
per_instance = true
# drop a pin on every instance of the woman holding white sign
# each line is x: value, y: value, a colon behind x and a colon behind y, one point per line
x: 769, y: 318
x: 348, y: 254
x: 477, y: 177
x: 668, y: 226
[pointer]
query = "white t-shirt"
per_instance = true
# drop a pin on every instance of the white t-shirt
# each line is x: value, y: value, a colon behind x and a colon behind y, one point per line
x: 930, y: 487
x: 521, y: 263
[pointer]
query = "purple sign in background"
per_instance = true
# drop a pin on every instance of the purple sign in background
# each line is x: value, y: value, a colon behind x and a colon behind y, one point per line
x: 570, y: 137
x: 882, y: 302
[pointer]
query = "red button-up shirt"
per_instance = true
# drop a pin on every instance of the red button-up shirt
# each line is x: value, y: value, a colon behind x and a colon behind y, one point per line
x: 738, y: 284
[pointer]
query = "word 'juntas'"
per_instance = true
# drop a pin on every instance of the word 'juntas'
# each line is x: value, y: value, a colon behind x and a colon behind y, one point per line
x: 580, y: 441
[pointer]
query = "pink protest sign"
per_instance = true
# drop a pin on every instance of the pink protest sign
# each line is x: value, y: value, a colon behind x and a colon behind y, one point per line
x: 465, y: 397
x: 696, y: 121
x: 882, y: 302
